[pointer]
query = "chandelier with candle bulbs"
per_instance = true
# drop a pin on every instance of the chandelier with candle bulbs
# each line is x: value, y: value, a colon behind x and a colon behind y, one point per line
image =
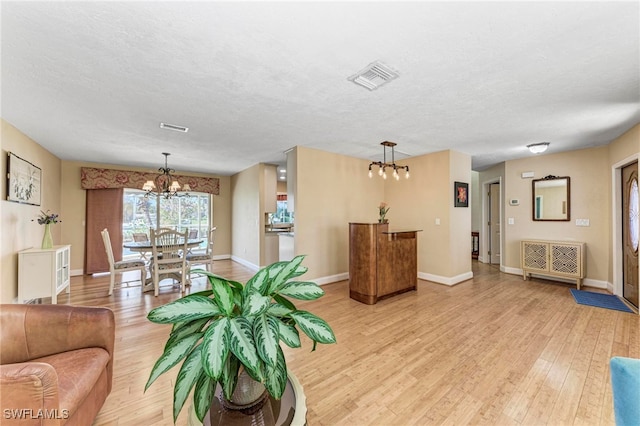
x: 383, y: 165
x: 165, y: 184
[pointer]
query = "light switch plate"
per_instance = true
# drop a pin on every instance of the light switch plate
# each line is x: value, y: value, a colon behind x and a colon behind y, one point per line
x: 582, y: 222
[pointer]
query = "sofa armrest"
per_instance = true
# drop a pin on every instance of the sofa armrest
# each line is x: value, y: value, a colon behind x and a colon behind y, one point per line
x: 30, y: 395
x: 33, y: 331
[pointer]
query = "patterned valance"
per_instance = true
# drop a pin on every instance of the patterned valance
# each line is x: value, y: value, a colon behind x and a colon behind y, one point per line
x: 92, y: 178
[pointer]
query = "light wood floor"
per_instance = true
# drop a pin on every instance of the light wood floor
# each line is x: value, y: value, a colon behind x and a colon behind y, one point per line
x: 492, y: 350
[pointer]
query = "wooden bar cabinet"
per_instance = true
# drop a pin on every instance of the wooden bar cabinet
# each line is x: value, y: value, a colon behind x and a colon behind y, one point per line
x: 382, y: 263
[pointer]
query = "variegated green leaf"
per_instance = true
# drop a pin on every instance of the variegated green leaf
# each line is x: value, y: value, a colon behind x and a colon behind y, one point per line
x: 284, y: 302
x: 229, y: 378
x: 187, y: 376
x: 285, y: 273
x: 277, y: 310
x: 184, y: 309
x: 215, y: 347
x: 289, y: 335
x: 185, y: 329
x: 276, y: 377
x: 171, y: 356
x: 203, y: 394
x: 205, y: 293
x: 255, y: 304
x: 302, y: 290
x: 259, y: 283
x: 223, y: 296
x: 300, y: 270
x: 314, y: 327
x: 266, y: 335
x: 243, y: 345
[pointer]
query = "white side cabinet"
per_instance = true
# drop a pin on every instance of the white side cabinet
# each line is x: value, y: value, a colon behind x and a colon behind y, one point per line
x: 43, y: 273
x: 554, y: 258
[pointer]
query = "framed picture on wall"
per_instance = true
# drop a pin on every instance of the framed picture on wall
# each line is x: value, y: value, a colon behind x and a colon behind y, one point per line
x: 461, y: 194
x: 23, y: 181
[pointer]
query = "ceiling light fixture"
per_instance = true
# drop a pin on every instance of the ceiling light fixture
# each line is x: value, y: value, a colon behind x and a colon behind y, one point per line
x: 392, y: 165
x: 538, y: 148
x: 165, y: 184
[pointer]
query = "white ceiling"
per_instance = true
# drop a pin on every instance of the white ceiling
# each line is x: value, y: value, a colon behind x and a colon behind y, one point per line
x: 91, y: 81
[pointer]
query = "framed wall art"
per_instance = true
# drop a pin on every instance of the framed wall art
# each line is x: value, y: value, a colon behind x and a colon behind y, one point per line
x: 461, y: 194
x: 24, y: 181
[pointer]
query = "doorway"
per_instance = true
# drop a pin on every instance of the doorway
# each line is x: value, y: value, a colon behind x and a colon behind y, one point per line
x: 493, y: 224
x: 630, y: 233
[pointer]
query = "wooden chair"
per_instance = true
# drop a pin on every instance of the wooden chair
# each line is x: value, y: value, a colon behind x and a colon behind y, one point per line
x: 167, y: 261
x: 141, y: 237
x: 205, y: 258
x: 120, y: 266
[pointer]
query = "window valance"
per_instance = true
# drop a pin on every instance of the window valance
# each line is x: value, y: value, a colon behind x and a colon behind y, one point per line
x: 93, y: 178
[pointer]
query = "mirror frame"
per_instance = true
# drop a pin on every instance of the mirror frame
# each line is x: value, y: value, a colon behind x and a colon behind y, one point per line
x: 533, y: 198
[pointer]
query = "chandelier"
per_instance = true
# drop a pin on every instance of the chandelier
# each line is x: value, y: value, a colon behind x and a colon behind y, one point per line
x: 165, y: 184
x: 383, y: 165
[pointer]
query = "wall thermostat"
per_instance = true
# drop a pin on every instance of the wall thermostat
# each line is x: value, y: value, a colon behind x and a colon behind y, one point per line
x: 514, y: 202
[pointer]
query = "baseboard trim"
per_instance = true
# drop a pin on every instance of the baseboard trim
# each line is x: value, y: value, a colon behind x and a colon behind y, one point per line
x: 76, y: 272
x: 222, y: 257
x: 331, y: 278
x: 450, y: 281
x: 586, y: 282
x: 246, y: 263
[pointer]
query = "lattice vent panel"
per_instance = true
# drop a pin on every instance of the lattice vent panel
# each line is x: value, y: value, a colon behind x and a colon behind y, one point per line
x: 535, y: 256
x: 565, y: 259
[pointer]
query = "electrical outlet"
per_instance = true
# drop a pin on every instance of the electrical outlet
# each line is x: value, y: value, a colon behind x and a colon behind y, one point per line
x: 437, y: 221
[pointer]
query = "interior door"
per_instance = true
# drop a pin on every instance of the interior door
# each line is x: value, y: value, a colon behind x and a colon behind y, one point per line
x: 494, y: 223
x: 630, y: 233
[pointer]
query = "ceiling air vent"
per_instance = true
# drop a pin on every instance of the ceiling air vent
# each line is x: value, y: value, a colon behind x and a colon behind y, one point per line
x: 374, y: 75
x: 174, y: 127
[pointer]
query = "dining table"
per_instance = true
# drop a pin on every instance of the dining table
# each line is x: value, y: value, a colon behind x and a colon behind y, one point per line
x: 147, y: 246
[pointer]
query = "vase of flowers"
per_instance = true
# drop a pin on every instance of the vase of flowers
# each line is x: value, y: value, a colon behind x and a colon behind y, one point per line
x: 47, y: 219
x: 383, y: 209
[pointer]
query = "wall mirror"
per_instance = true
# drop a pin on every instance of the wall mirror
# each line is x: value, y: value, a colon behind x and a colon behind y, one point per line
x: 551, y: 198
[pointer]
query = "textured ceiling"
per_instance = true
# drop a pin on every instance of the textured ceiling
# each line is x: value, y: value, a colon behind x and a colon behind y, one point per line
x: 91, y: 81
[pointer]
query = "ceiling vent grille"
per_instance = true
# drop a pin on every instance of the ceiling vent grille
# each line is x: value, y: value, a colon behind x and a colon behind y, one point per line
x: 174, y: 127
x: 374, y: 75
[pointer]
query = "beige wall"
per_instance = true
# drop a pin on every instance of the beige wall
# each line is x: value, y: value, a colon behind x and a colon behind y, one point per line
x: 590, y: 189
x: 18, y: 231
x: 246, y: 206
x: 332, y: 190
x: 419, y: 202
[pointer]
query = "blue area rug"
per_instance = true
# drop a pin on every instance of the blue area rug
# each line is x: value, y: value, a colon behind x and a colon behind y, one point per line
x: 600, y: 300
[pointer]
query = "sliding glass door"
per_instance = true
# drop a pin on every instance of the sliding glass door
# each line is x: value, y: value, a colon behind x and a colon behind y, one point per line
x: 142, y: 213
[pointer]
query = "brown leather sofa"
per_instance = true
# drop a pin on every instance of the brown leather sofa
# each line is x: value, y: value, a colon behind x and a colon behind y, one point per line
x: 56, y: 363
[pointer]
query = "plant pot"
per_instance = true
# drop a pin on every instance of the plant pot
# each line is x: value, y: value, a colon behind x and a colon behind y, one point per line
x: 47, y: 240
x: 249, y: 405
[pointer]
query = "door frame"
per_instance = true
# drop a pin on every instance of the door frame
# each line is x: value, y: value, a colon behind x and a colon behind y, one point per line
x: 484, y: 237
x: 616, y: 214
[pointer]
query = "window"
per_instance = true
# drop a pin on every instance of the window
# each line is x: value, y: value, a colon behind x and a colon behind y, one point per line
x: 141, y: 213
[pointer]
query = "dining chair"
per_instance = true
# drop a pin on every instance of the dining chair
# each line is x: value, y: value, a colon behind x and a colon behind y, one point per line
x: 141, y: 237
x: 121, y: 266
x: 193, y: 234
x: 167, y: 260
x: 205, y: 258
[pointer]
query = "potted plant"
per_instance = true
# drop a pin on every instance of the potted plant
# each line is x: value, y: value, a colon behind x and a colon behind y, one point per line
x: 235, y: 327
